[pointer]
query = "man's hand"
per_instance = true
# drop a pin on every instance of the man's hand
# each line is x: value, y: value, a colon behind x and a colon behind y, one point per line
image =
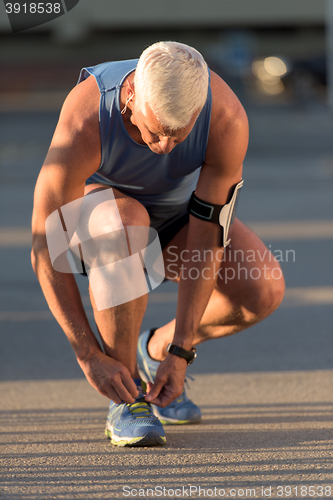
x: 109, y: 377
x: 169, y: 381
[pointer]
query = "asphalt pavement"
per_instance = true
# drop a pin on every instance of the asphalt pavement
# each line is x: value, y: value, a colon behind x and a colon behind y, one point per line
x: 266, y: 393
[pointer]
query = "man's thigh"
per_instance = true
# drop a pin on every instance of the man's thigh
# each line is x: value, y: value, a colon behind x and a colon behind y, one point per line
x: 131, y: 211
x: 108, y: 223
x: 246, y: 259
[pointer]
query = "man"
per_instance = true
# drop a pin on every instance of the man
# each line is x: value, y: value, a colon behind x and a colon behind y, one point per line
x: 145, y: 128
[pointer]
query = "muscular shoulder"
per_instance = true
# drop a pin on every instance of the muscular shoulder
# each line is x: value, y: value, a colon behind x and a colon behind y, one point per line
x: 81, y: 107
x: 228, y: 132
x: 226, y: 107
x: 76, y: 141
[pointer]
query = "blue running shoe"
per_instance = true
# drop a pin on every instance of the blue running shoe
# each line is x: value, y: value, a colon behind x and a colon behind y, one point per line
x: 181, y: 410
x: 134, y: 424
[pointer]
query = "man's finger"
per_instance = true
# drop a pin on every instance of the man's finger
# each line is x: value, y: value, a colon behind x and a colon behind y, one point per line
x: 154, y: 391
x: 162, y: 400
x: 149, y: 385
x: 121, y: 390
x: 113, y: 395
x: 109, y: 392
x: 129, y: 384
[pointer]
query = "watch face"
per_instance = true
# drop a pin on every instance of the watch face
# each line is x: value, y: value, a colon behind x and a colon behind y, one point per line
x: 194, y: 355
x: 193, y: 358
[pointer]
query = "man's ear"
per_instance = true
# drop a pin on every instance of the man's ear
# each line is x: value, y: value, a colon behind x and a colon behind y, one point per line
x: 130, y: 86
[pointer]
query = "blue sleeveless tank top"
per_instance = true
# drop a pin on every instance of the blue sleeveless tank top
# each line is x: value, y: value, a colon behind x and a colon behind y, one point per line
x: 162, y: 183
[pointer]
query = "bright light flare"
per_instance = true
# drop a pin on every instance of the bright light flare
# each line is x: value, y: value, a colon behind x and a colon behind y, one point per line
x: 273, y: 89
x: 269, y: 72
x: 275, y: 66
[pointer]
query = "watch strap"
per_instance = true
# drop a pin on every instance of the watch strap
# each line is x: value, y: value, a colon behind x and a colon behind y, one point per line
x: 182, y: 353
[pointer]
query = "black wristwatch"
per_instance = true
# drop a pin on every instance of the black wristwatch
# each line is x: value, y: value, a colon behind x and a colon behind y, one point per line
x: 183, y: 353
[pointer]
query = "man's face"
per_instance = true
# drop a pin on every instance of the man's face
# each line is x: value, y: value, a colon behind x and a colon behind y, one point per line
x: 159, y: 139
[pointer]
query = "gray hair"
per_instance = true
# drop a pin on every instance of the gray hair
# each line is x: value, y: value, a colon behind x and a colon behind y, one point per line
x: 172, y: 78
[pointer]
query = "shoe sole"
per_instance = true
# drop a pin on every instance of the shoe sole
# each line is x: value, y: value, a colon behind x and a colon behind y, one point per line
x: 149, y: 439
x: 174, y: 421
x: 178, y: 422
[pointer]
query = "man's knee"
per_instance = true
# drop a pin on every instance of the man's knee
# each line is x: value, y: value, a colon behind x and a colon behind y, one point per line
x: 108, y: 209
x: 133, y: 213
x: 259, y: 293
x: 269, y: 291
x: 122, y: 214
x: 105, y: 226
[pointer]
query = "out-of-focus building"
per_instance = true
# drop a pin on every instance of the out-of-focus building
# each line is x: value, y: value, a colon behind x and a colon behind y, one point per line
x: 146, y: 14
x: 240, y: 39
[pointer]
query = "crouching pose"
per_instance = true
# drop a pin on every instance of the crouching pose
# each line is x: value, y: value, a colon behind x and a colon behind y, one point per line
x: 162, y: 139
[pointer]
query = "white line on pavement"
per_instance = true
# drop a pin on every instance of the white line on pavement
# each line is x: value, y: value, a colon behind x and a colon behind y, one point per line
x: 15, y: 237
x: 293, y: 230
x: 273, y: 230
x: 294, y: 297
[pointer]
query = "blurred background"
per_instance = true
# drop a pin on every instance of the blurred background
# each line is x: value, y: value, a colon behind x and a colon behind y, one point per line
x: 270, y: 51
x: 277, y: 57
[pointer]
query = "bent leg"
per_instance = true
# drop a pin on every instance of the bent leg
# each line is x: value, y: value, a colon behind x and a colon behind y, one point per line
x: 119, y: 326
x: 250, y: 286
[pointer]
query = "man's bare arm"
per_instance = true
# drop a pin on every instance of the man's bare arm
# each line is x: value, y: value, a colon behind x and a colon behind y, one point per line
x: 73, y: 156
x: 227, y: 145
